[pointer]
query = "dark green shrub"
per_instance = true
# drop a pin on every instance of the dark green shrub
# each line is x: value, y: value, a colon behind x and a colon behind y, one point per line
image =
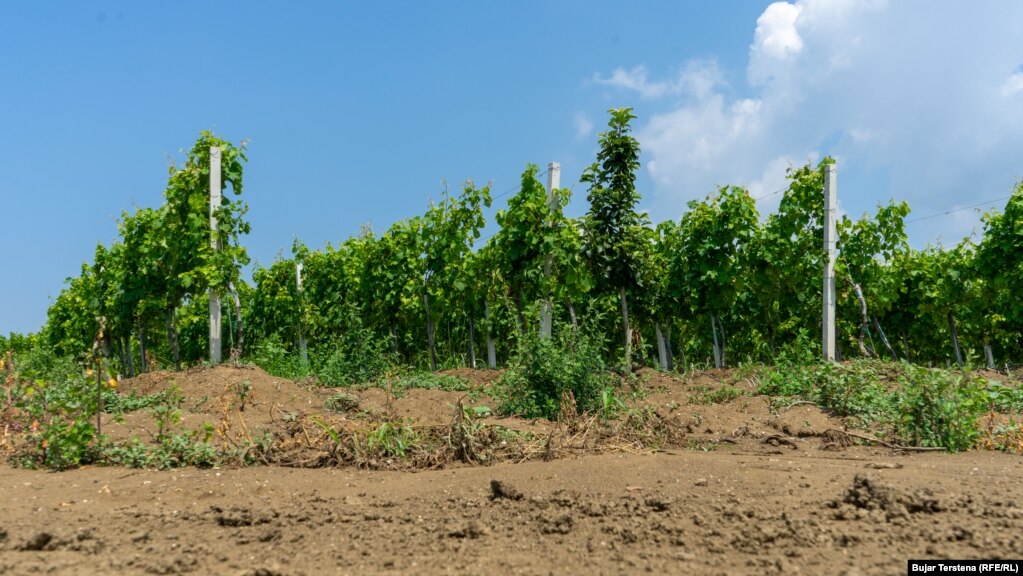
x: 60, y: 420
x: 543, y: 370
x: 942, y: 408
x: 273, y: 356
x: 43, y: 363
x: 354, y: 356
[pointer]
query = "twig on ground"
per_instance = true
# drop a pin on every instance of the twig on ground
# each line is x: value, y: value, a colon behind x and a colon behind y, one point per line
x: 880, y: 442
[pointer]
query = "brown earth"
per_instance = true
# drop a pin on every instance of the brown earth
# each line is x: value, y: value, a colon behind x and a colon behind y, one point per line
x: 736, y: 487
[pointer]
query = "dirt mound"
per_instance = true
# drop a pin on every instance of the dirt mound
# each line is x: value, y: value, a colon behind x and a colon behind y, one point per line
x: 720, y: 407
x: 871, y: 494
x: 424, y: 407
x: 253, y: 416
x: 708, y: 408
x: 249, y: 395
x: 238, y: 386
x: 475, y: 378
x: 242, y: 396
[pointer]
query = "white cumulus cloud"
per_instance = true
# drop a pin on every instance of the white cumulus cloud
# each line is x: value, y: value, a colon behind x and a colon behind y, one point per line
x: 635, y: 79
x: 922, y: 105
x: 776, y: 35
x: 698, y: 78
x: 583, y: 126
x: 1013, y: 84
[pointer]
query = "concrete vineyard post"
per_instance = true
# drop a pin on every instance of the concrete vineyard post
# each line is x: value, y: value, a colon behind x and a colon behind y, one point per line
x: 215, y: 197
x: 955, y: 338
x: 553, y: 183
x: 491, y: 349
x: 662, y: 351
x: 303, y: 350
x: 830, y: 215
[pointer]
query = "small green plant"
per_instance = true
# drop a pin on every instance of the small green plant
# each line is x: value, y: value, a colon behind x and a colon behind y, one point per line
x: 261, y: 445
x: 790, y: 381
x: 709, y: 395
x: 170, y: 451
x: 333, y: 433
x: 133, y: 454
x: 200, y: 402
x: 341, y: 402
x: 131, y: 402
x: 747, y: 372
x: 167, y: 414
x: 803, y: 350
x: 274, y: 357
x: 701, y: 445
x: 610, y: 404
x: 392, y: 439
x: 1005, y: 399
x: 465, y: 438
x: 482, y: 411
x: 1006, y: 436
x: 243, y: 389
x: 60, y: 421
x: 854, y: 390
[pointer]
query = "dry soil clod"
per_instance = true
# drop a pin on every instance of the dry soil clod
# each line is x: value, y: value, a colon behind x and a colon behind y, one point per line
x: 500, y: 489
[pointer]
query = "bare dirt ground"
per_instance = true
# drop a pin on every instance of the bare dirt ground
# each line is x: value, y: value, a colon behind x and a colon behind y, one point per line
x: 745, y: 489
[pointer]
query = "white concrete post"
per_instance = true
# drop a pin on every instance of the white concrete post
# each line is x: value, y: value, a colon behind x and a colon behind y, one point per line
x: 491, y: 349
x: 303, y: 350
x: 553, y: 183
x: 662, y: 349
x: 215, y: 197
x: 830, y: 215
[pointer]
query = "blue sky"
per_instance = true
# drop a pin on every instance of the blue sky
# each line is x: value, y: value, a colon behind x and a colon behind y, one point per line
x: 360, y: 112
